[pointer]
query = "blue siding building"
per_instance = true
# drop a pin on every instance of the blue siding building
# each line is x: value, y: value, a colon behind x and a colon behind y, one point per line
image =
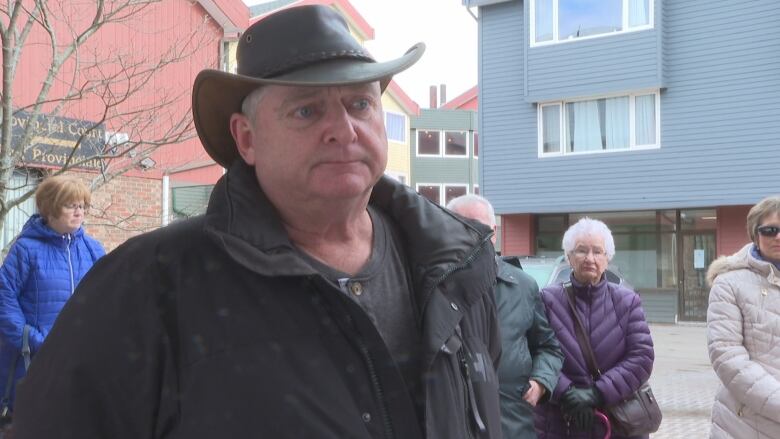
x: 661, y: 118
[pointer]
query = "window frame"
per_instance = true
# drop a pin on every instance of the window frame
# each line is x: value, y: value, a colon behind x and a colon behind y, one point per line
x: 555, y: 30
x: 444, y: 187
x: 442, y: 144
x: 417, y: 144
x: 562, y: 121
x: 405, y: 130
x: 417, y: 189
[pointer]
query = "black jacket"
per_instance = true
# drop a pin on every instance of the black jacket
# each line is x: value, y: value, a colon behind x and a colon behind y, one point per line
x: 529, y: 349
x: 215, y: 328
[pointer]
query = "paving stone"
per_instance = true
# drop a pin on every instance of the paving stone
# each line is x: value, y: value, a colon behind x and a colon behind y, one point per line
x: 683, y: 381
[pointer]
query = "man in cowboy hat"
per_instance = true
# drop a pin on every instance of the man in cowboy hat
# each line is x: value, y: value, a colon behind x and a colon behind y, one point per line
x: 315, y: 298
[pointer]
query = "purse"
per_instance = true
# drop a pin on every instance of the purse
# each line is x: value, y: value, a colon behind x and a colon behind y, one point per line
x: 638, y: 414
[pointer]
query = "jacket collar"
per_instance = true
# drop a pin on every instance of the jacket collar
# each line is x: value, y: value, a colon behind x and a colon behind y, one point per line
x: 505, y: 271
x: 36, y: 228
x: 743, y: 259
x: 588, y: 289
x: 244, y: 222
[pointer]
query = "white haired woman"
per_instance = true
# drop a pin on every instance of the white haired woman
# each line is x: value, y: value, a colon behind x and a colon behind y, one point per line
x: 743, y: 327
x: 613, y: 321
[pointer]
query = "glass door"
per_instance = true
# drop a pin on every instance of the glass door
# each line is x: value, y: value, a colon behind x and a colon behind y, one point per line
x: 696, y: 254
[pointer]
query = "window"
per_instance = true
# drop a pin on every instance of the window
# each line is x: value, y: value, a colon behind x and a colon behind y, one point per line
x: 476, y: 145
x: 430, y: 191
x: 395, y: 125
x: 441, y: 193
x: 599, y: 125
x: 551, y: 131
x: 428, y: 143
x: 455, y: 143
x: 22, y: 180
x: 453, y: 191
x: 557, y: 21
x: 476, y: 189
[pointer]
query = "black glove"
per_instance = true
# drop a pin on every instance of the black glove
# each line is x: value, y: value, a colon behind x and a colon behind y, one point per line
x: 575, y: 399
x: 583, y: 419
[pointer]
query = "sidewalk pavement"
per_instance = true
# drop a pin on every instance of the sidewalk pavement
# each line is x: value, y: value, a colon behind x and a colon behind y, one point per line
x: 682, y: 380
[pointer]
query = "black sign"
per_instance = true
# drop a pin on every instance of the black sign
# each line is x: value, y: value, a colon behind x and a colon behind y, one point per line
x: 53, y: 138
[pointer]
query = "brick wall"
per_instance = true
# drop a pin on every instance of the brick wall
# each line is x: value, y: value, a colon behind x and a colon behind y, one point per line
x: 123, y: 208
x: 732, y: 235
x: 517, y: 234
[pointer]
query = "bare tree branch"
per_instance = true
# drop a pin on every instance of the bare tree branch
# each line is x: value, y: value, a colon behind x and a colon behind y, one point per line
x: 120, y: 85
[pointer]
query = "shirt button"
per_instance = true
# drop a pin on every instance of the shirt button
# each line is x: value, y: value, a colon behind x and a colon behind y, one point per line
x: 366, y: 417
x: 356, y: 288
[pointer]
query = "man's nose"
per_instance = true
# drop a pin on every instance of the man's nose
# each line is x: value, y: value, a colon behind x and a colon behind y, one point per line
x: 340, y: 127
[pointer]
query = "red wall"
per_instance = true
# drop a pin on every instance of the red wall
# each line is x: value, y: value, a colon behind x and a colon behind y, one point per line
x: 517, y: 234
x: 732, y: 234
x: 137, y: 44
x: 472, y: 104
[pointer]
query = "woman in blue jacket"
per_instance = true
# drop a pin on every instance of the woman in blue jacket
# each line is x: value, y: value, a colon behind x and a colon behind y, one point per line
x: 40, y: 273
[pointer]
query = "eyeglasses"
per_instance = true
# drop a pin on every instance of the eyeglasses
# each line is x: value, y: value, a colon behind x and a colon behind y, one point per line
x: 768, y: 231
x: 583, y: 252
x: 76, y: 206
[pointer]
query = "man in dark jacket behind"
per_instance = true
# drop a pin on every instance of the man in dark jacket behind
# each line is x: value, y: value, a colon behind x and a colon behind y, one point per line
x: 531, y: 357
x: 315, y: 299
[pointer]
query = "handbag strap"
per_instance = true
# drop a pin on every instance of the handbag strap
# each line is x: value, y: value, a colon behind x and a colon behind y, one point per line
x: 26, y: 346
x: 5, y: 403
x: 579, y: 331
x: 9, y: 385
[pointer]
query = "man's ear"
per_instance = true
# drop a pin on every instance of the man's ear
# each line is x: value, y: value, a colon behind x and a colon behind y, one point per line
x: 243, y: 135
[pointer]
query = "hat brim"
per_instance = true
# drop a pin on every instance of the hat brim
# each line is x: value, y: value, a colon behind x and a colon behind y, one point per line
x: 216, y: 95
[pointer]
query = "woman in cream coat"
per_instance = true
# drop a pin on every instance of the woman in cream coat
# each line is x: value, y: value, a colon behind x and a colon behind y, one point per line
x: 743, y: 331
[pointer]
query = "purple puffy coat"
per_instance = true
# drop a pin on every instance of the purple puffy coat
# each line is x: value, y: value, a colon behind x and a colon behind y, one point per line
x: 621, y: 342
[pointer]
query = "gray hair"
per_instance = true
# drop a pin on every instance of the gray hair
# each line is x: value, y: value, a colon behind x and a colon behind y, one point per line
x: 250, y: 103
x: 588, y: 226
x: 468, y: 200
x: 765, y: 207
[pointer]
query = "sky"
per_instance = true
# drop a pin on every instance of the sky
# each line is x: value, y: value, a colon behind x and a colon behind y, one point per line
x: 445, y: 26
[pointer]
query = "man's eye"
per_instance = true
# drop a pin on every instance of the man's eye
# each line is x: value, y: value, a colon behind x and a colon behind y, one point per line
x: 304, y: 112
x: 361, y: 104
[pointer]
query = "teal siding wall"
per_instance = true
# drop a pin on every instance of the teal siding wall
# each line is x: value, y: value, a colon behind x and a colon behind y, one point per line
x: 444, y: 169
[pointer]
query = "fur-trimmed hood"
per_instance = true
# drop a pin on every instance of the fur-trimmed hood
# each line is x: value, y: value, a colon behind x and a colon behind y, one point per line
x: 739, y: 260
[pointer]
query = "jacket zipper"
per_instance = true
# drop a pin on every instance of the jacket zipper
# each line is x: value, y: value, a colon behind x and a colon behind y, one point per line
x: 70, y: 263
x: 469, y: 398
x: 388, y: 425
x: 471, y: 256
x: 386, y: 422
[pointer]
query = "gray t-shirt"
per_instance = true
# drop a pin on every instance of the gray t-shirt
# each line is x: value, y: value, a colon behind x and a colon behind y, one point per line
x: 383, y: 289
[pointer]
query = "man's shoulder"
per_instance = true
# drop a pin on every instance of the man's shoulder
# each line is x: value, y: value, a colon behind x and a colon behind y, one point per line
x: 180, y: 237
x: 510, y: 271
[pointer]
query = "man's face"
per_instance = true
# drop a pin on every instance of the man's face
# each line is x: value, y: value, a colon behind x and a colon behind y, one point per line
x: 309, y: 143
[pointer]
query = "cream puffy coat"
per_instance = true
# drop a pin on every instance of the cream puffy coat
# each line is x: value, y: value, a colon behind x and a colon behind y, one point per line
x: 743, y: 337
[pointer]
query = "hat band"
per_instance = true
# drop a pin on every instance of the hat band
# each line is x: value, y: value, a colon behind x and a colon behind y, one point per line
x: 314, y: 57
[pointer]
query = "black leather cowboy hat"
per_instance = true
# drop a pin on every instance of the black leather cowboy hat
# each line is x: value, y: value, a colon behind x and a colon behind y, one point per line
x: 301, y: 46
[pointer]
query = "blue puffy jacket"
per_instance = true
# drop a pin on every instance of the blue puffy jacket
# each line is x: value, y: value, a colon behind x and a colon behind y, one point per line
x: 38, y: 276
